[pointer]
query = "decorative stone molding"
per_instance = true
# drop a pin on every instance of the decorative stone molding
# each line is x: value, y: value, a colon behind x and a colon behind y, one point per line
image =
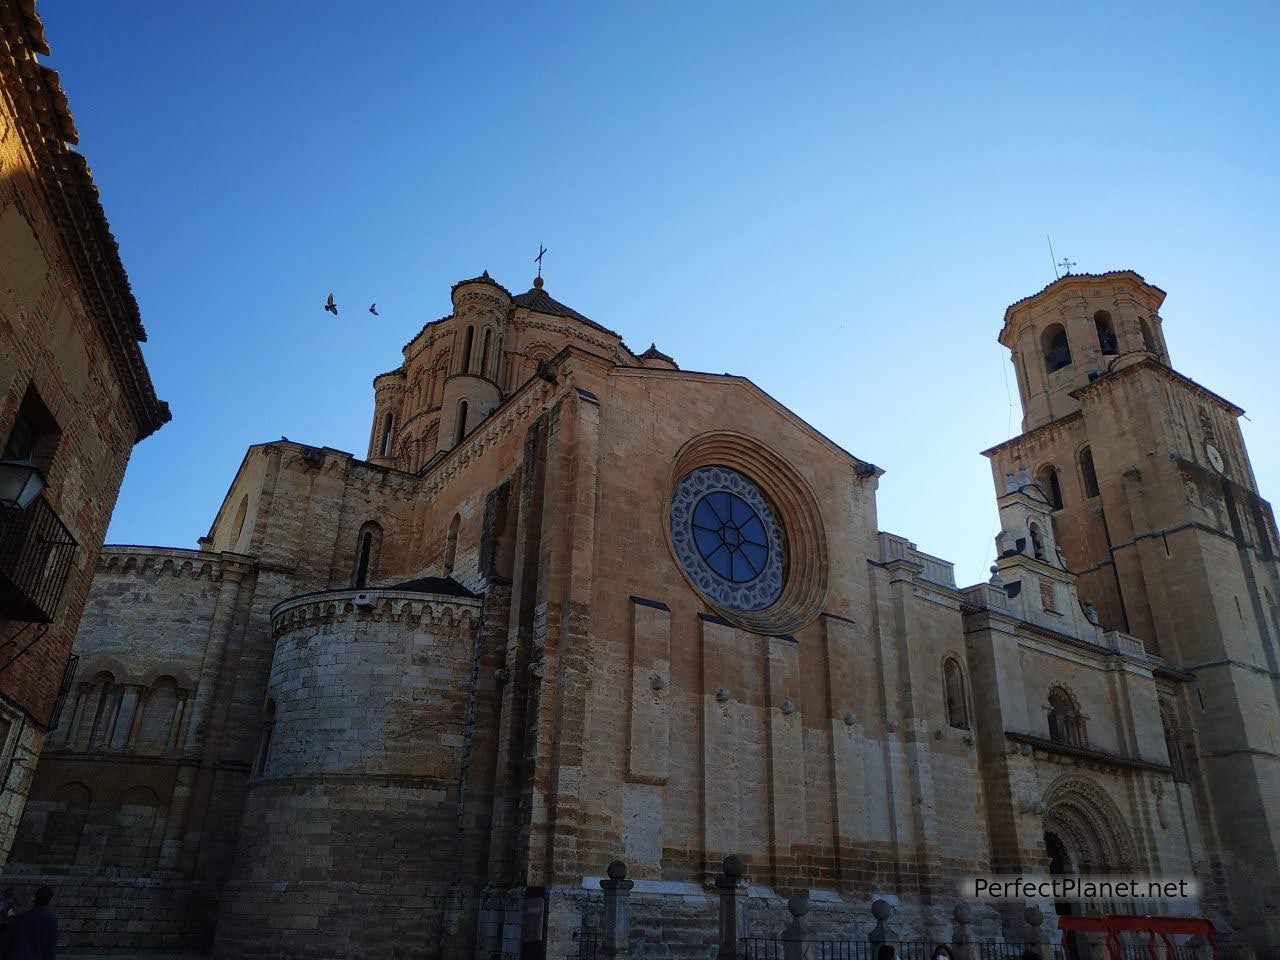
x: 332, y: 606
x: 805, y: 590
x: 174, y: 562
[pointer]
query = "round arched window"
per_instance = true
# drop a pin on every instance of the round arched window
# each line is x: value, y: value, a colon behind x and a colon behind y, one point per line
x: 728, y: 538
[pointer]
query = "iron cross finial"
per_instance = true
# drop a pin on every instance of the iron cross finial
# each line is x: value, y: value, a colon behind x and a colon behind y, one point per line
x: 1066, y: 264
x: 538, y: 259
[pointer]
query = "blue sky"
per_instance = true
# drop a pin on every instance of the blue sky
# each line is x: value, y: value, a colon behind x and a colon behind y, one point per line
x: 835, y: 200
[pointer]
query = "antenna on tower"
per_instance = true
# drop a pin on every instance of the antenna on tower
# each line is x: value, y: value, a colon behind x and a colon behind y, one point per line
x: 1052, y: 257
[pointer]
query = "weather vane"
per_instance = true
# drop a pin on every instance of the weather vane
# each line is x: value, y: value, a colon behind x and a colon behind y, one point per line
x: 538, y: 259
x: 1066, y: 264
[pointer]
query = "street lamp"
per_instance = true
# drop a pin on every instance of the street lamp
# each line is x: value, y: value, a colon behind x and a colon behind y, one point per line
x: 20, y: 483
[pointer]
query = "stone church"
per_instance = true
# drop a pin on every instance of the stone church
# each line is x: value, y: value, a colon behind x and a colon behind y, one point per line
x: 576, y: 604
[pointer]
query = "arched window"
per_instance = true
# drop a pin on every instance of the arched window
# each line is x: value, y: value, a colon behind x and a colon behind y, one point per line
x: 484, y: 353
x: 386, y: 435
x: 953, y: 689
x: 264, y: 736
x: 237, y: 525
x: 1066, y: 723
x: 460, y: 430
x: 466, y: 350
x: 451, y: 543
x: 1173, y: 740
x: 1037, y: 541
x: 1088, y: 476
x: 1057, y: 352
x: 1106, y: 333
x: 368, y: 545
x: 1148, y: 339
x: 1050, y: 486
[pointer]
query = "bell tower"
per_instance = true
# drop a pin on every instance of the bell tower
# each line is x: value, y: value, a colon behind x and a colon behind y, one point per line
x: 1157, y: 512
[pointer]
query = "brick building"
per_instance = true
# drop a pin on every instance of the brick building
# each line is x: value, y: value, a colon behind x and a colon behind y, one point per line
x: 75, y: 395
x: 578, y: 604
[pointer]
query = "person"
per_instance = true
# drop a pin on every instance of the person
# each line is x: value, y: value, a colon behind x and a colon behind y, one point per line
x: 33, y: 935
x: 8, y: 910
x: 942, y: 952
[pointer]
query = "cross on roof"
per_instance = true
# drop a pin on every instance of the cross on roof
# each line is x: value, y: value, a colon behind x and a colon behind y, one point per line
x: 538, y: 259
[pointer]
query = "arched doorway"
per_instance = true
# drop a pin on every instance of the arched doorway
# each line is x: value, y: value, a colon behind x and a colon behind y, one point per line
x: 1086, y: 833
x: 1060, y: 864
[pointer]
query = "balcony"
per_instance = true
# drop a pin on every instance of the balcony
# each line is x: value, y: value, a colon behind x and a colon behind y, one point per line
x: 36, y: 552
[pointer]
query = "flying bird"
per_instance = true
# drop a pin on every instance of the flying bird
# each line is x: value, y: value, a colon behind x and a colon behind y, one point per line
x: 331, y: 306
x: 373, y: 308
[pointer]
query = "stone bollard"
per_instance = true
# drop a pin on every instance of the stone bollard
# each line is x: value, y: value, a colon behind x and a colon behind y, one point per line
x: 793, y: 933
x: 616, y: 941
x: 881, y: 933
x: 731, y: 887
x: 1033, y: 942
x: 961, y: 939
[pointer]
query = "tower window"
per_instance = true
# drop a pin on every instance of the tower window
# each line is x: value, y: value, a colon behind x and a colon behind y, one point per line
x: 1057, y: 352
x: 1148, y: 338
x: 1050, y: 486
x: 953, y: 689
x: 484, y: 353
x: 386, y: 435
x: 451, y: 543
x: 1107, y: 342
x: 1088, y: 476
x: 460, y: 430
x: 1037, y: 541
x: 466, y: 350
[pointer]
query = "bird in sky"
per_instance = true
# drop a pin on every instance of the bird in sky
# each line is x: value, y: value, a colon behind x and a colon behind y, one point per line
x: 331, y: 306
x: 373, y: 308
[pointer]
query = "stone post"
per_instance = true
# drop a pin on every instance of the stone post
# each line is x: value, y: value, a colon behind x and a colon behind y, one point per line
x: 793, y: 933
x: 1034, y: 939
x: 961, y: 939
x: 731, y: 886
x: 881, y: 933
x: 616, y: 941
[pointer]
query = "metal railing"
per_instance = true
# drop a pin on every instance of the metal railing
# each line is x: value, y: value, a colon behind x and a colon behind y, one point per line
x: 36, y: 551
x: 773, y: 948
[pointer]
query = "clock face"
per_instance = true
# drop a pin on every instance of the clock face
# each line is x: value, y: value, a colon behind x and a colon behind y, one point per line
x: 1215, y: 458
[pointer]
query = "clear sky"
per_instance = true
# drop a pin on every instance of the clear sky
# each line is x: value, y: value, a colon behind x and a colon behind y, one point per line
x: 836, y: 200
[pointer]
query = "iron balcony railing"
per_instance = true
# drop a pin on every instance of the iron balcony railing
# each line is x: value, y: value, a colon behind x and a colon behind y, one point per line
x: 36, y: 552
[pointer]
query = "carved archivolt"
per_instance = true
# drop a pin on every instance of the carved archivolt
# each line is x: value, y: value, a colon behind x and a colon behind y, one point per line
x: 1084, y: 817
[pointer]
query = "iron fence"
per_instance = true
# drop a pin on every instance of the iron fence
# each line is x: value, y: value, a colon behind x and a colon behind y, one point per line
x: 773, y: 948
x: 36, y: 551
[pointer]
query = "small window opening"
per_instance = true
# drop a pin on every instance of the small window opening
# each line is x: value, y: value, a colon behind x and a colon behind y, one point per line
x: 1057, y: 351
x: 451, y: 543
x: 35, y: 433
x: 953, y: 688
x: 1107, y: 342
x: 484, y: 353
x: 460, y: 430
x: 362, y: 565
x: 466, y: 349
x: 1088, y: 476
x: 386, y: 435
x: 1148, y: 339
